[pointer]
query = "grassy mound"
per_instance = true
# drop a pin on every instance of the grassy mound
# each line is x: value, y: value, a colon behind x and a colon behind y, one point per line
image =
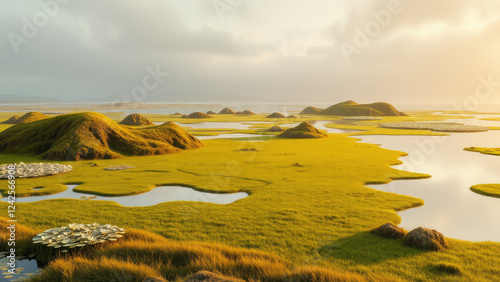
x: 11, y: 120
x: 303, y: 130
x: 311, y: 111
x: 142, y: 255
x: 28, y: 117
x: 135, y: 119
x: 276, y: 115
x: 211, y: 113
x: 227, y: 111
x: 246, y: 112
x: 90, y: 135
x: 491, y: 190
x: 351, y: 108
x: 196, y: 115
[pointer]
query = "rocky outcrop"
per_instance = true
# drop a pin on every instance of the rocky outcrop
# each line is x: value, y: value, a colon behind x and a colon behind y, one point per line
x: 34, y: 169
x: 426, y: 239
x: 389, y: 230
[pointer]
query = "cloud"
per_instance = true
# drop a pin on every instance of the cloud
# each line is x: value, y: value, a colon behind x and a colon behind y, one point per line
x: 287, y: 50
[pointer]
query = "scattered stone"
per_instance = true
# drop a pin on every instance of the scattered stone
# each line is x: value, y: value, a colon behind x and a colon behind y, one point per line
x: 78, y: 235
x: 29, y: 170
x: 297, y: 165
x: 94, y: 164
x: 426, y: 239
x: 118, y: 167
x: 435, y: 126
x: 248, y: 149
x: 389, y: 230
x: 276, y: 129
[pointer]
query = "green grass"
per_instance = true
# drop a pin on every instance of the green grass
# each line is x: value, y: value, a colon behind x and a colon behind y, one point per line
x: 318, y: 213
x: 491, y: 190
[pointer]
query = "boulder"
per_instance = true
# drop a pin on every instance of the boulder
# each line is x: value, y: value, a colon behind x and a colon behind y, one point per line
x: 426, y: 239
x: 389, y: 230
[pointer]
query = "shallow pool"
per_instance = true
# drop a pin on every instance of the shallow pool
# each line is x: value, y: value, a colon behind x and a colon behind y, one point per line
x: 156, y: 196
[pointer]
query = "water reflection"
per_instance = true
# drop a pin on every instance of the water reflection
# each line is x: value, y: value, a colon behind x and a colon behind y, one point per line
x: 450, y: 206
x: 24, y: 269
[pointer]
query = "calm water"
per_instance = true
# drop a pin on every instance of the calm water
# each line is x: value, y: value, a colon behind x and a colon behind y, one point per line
x: 156, y: 196
x: 450, y: 206
x: 24, y: 269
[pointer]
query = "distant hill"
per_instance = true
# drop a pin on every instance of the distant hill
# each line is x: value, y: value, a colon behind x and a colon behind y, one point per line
x: 276, y: 115
x: 90, y: 135
x: 303, y: 130
x: 196, y: 115
x: 136, y: 119
x: 227, y: 111
x: 310, y: 111
x: 351, y: 108
x: 246, y: 112
x: 28, y: 117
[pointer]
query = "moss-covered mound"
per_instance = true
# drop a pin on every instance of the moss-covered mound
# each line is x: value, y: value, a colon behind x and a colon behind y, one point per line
x: 311, y: 111
x: 11, y: 120
x: 275, y: 115
x: 28, y: 117
x: 90, y: 135
x: 135, y: 119
x: 351, y: 108
x: 196, y: 115
x: 245, y: 112
x: 303, y: 130
x: 211, y: 113
x: 227, y: 111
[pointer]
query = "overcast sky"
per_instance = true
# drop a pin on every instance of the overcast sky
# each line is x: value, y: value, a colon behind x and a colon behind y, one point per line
x: 320, y: 50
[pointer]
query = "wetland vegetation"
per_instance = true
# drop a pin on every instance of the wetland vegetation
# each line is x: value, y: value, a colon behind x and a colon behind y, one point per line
x: 307, y: 203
